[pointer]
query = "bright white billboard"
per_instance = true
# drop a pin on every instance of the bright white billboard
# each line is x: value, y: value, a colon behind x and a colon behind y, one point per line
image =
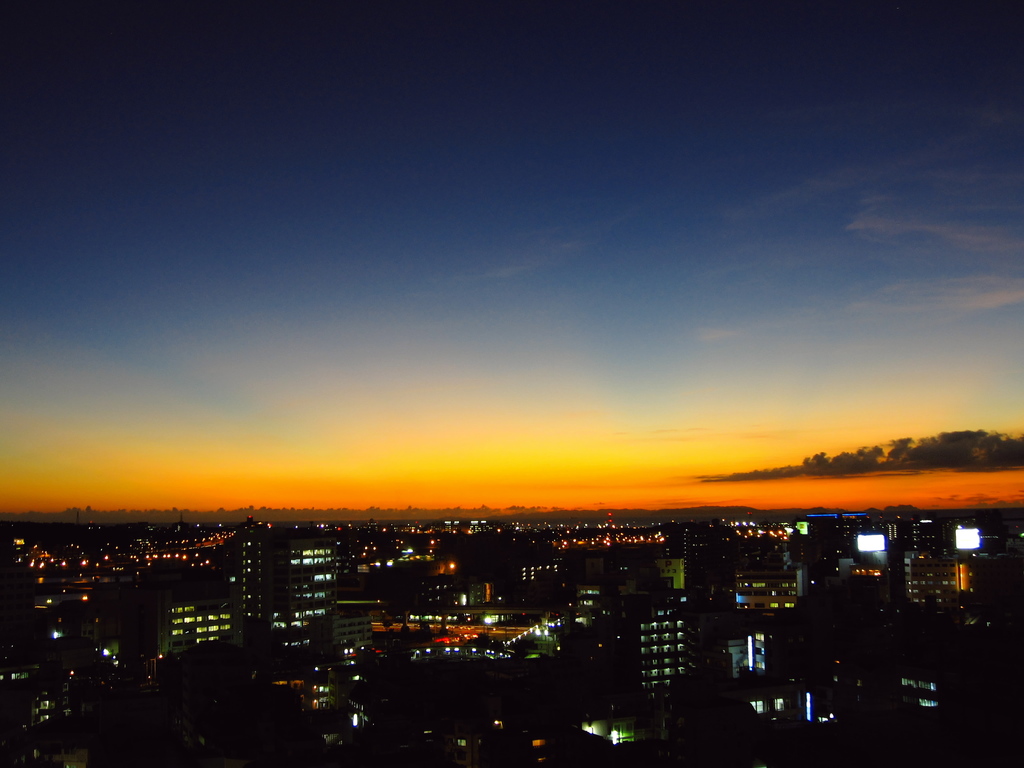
x: 871, y: 542
x: 968, y: 538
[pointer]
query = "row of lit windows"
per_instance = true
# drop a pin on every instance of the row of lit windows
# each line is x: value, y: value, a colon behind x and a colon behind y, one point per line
x: 201, y: 630
x: 656, y: 625
x: 664, y: 671
x: 181, y: 642
x: 764, y: 585
x: 194, y: 608
x: 923, y: 684
x: 761, y: 706
x: 662, y: 649
x: 193, y: 619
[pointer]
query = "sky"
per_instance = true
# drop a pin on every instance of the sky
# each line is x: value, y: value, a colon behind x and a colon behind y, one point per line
x: 581, y: 255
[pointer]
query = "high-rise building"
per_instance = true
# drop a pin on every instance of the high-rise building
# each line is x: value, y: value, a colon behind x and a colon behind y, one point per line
x: 708, y: 552
x: 287, y: 577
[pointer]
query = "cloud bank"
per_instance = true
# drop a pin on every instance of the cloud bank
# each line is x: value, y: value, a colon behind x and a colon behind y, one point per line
x: 966, y: 451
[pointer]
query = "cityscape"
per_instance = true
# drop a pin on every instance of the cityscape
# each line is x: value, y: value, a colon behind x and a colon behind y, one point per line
x: 408, y: 384
x: 479, y: 642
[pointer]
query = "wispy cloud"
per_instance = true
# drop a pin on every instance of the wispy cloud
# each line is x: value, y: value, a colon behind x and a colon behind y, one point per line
x: 543, y: 253
x: 968, y: 294
x: 973, y: 237
x: 981, y: 500
x: 964, y: 451
x: 506, y: 271
x: 947, y: 190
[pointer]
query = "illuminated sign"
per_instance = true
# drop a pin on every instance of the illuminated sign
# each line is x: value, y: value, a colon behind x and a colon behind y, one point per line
x: 871, y: 542
x: 968, y: 538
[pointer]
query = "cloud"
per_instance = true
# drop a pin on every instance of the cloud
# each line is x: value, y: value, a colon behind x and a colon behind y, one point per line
x: 965, y: 451
x: 982, y: 500
x: 973, y: 237
x: 966, y: 294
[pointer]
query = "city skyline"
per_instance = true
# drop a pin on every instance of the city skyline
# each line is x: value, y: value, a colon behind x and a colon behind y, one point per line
x: 582, y: 256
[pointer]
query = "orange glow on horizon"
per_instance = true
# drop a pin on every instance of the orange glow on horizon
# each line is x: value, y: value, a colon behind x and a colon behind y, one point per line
x: 590, y: 491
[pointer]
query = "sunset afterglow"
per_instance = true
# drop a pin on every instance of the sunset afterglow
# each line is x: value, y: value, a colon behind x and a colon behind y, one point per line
x: 453, y: 258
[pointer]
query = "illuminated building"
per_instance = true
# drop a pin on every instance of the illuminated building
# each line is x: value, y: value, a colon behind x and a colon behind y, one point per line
x: 674, y: 641
x: 831, y: 537
x: 771, y: 588
x: 668, y: 647
x: 287, y: 576
x: 919, y: 687
x: 991, y: 580
x: 340, y: 635
x: 707, y: 550
x: 159, y: 619
x: 969, y: 579
x: 197, y: 612
x: 934, y: 580
x: 672, y: 570
x: 773, y: 701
